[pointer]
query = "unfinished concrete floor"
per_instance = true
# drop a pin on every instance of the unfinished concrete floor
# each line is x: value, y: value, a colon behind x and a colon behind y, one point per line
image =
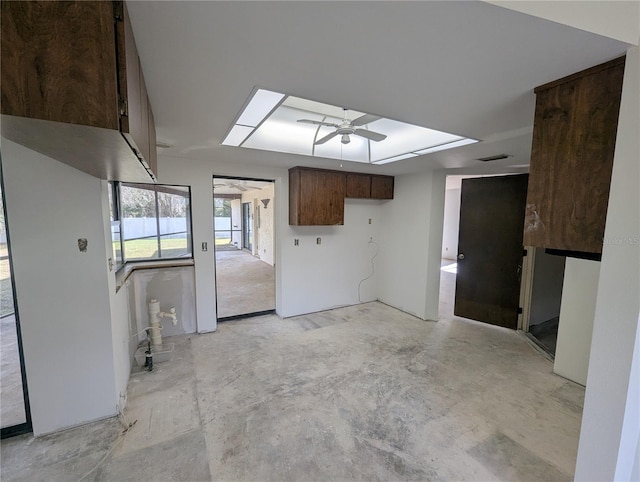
x: 364, y: 392
x: 244, y: 283
x: 11, y: 397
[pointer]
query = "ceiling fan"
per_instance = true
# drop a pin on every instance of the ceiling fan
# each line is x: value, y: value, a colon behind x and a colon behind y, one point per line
x: 347, y: 128
x: 235, y: 185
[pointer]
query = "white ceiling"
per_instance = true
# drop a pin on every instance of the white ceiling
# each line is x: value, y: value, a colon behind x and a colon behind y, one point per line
x: 463, y: 67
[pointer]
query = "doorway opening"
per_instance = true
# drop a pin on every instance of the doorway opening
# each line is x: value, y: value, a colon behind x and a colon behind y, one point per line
x: 14, y: 400
x: 542, y: 296
x: 539, y: 275
x: 244, y: 230
x: 489, y: 247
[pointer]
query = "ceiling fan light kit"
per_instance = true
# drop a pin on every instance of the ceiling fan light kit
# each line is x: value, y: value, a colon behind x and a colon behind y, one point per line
x: 348, y: 128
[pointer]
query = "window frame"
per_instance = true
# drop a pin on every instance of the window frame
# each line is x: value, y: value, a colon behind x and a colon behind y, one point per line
x: 155, y: 189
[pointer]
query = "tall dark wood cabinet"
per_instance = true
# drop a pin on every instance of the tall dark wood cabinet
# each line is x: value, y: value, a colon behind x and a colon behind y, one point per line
x: 72, y: 87
x: 574, y: 136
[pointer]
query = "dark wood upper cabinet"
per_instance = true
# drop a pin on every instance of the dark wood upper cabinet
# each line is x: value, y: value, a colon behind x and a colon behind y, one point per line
x: 369, y: 186
x: 316, y: 197
x: 574, y: 136
x: 72, y: 87
x: 382, y: 187
x: 358, y: 185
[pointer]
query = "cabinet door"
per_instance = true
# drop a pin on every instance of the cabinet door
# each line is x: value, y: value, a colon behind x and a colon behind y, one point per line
x: 382, y: 187
x: 358, y: 186
x: 571, y: 161
x: 59, y: 62
x: 153, y: 149
x: 134, y: 120
x: 319, y: 197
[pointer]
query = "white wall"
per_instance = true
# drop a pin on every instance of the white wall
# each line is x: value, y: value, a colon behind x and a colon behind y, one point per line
x: 576, y: 319
x: 319, y: 277
x: 171, y: 287
x: 618, y: 20
x: 451, y: 223
x: 410, y: 236
x: 62, y: 293
x: 309, y: 277
x: 264, y: 233
x: 121, y: 329
x: 198, y: 175
x: 611, y: 422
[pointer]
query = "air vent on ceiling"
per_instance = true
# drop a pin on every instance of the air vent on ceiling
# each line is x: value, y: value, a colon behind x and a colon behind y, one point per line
x: 493, y: 158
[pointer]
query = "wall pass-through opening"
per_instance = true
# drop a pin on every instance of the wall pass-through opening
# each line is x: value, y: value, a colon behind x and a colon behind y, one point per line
x: 244, y: 233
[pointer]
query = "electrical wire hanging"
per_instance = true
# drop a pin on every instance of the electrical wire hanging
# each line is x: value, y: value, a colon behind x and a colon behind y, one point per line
x: 373, y: 268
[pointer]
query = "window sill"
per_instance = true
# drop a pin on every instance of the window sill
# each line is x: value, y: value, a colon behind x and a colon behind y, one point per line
x: 122, y: 275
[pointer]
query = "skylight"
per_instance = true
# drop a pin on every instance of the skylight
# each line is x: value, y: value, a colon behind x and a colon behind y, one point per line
x: 277, y: 122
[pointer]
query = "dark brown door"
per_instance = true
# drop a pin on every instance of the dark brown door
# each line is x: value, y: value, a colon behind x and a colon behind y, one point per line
x: 490, y: 249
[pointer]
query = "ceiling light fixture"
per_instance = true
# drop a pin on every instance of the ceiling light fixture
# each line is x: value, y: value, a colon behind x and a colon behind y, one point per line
x: 421, y: 152
x: 278, y: 122
x: 260, y: 105
x: 447, y: 145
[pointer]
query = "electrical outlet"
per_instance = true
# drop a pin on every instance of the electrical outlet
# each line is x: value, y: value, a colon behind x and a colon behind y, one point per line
x: 205, y: 247
x: 318, y: 240
x: 296, y: 242
x: 369, y: 220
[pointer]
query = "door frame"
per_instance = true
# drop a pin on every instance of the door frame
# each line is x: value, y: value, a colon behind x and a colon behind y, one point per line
x: 215, y: 268
x: 526, y: 288
x: 27, y: 425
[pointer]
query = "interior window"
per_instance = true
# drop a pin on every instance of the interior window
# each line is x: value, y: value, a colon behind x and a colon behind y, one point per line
x: 114, y: 215
x: 155, y: 221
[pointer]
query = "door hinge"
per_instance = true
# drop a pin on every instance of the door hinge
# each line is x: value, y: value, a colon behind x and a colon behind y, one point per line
x: 519, y: 310
x: 118, y: 10
x: 124, y: 111
x: 524, y: 252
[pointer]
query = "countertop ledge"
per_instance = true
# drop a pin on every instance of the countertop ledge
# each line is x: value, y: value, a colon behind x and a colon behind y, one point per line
x: 123, y: 274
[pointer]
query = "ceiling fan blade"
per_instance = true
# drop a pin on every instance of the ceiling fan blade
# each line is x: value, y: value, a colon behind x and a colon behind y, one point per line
x: 237, y: 186
x: 365, y: 119
x: 374, y: 136
x: 317, y: 123
x: 326, y: 138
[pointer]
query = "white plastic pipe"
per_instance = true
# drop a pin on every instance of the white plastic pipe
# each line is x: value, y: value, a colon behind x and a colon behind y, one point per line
x: 155, y: 316
x: 154, y: 322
